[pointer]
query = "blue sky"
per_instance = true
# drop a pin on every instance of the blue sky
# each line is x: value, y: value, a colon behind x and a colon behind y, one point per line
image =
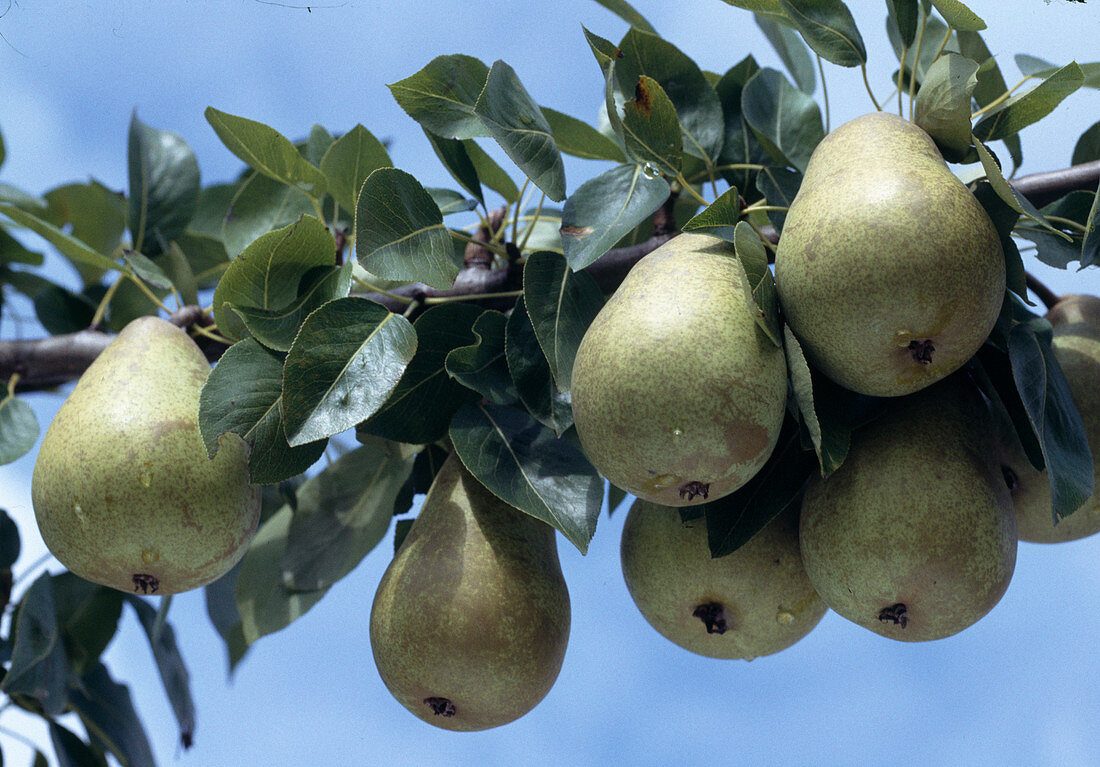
x: 1020, y: 687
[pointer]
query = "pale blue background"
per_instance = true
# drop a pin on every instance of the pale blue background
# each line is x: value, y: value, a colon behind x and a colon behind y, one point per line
x: 1021, y: 687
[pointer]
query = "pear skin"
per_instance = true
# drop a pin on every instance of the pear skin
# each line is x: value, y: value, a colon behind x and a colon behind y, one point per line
x: 123, y: 490
x: 678, y: 396
x: 753, y: 602
x: 470, y: 622
x: 889, y: 271
x: 914, y: 536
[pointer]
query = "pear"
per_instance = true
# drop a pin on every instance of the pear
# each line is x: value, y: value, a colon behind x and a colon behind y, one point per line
x: 123, y: 490
x: 1076, y: 345
x: 471, y: 619
x: 753, y: 602
x: 678, y: 395
x: 914, y: 536
x: 889, y: 271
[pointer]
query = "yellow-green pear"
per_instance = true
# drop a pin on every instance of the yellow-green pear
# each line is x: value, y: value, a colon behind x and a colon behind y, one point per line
x: 914, y: 536
x: 753, y: 602
x: 889, y: 271
x: 471, y: 619
x: 1076, y: 345
x: 678, y: 395
x: 123, y: 490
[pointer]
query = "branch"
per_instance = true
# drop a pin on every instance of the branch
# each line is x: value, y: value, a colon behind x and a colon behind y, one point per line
x: 48, y: 362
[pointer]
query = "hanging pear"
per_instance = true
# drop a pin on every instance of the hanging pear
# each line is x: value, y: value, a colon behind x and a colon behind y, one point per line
x: 889, y: 271
x: 471, y: 619
x: 123, y: 490
x: 678, y: 395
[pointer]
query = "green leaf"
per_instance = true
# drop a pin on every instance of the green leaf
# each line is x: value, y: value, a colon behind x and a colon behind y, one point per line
x: 719, y: 218
x: 9, y: 542
x: 91, y: 213
x: 779, y: 187
x: 442, y: 95
x: 785, y: 120
x: 651, y: 131
x: 578, y: 138
x: 606, y: 208
x: 88, y: 616
x: 828, y: 28
x: 754, y: 258
x: 627, y: 13
x: 1023, y: 110
x: 739, y: 147
x: 942, y: 106
x: 164, y: 186
x: 18, y: 428
x: 1004, y: 219
x: 147, y: 269
x: 39, y: 667
x: 991, y: 83
x: 267, y: 151
x: 107, y: 712
x: 1006, y: 191
x: 516, y: 123
x: 450, y: 201
x: 420, y: 408
x: 276, y: 328
x: 482, y: 366
x: 561, y: 304
x: 792, y: 52
x: 70, y: 246
x: 12, y: 251
x: 342, y: 514
x: 524, y: 464
x: 177, y: 269
x: 1087, y: 147
x: 490, y: 172
x: 531, y: 373
x: 268, y: 273
x: 221, y: 609
x: 903, y: 19
x: 316, y: 145
x: 261, y: 205
x: 344, y: 364
x: 62, y: 311
x: 767, y: 8
x: 399, y: 231
x: 349, y: 160
x: 958, y: 16
x: 1054, y: 417
x: 170, y: 666
x: 452, y: 153
x: 244, y: 395
x: 70, y: 750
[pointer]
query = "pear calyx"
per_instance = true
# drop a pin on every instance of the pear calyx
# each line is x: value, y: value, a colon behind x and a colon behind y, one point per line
x: 713, y: 616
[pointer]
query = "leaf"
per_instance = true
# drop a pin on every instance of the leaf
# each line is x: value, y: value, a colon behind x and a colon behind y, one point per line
x: 267, y: 151
x: 420, y: 407
x: 39, y: 667
x: 442, y: 95
x: 768, y: 8
x: 91, y: 213
x: 349, y: 160
x: 490, y: 173
x: 482, y: 366
x: 87, y: 615
x: 1087, y: 147
x: 561, y: 305
x: 221, y: 609
x: 450, y: 201
x: 267, y: 274
x: 792, y: 52
x: 580, y: 139
x: 785, y: 120
x: 147, y: 269
x: 651, y: 131
x: 991, y: 83
x: 164, y: 186
x: 903, y: 18
x: 828, y: 28
x: 958, y: 16
x: 754, y: 258
x: 606, y: 208
x: 779, y: 187
x: 342, y: 514
x: 516, y: 123
x: 1054, y: 417
x: 1004, y: 219
x: 9, y: 543
x: 740, y: 146
x: 399, y: 231
x: 18, y: 428
x: 942, y: 106
x: 261, y: 205
x: 627, y: 13
x: 70, y: 750
x: 524, y: 464
x: 74, y: 249
x: 719, y: 218
x: 452, y: 153
x: 1006, y: 191
x: 1023, y: 110
x: 345, y: 362
x: 170, y: 665
x: 107, y: 712
x: 531, y: 373
x: 244, y: 395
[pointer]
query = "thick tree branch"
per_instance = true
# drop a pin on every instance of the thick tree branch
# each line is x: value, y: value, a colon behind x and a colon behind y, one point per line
x: 47, y: 362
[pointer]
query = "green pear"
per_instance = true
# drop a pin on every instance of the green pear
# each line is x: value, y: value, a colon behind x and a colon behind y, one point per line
x: 678, y: 395
x: 889, y: 271
x: 1076, y: 345
x: 123, y: 490
x: 471, y: 619
x: 755, y: 601
x: 914, y: 536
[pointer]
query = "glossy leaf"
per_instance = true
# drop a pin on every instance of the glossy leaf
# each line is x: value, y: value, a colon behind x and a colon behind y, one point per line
x: 173, y: 672
x: 719, y: 218
x: 740, y: 147
x: 606, y: 208
x: 267, y: 151
x: 779, y: 187
x: 261, y: 205
x: 903, y: 17
x: 442, y: 95
x: 524, y: 464
x: 516, y: 123
x: 164, y: 186
x: 531, y: 373
x: 792, y: 52
x: 942, y: 107
x: 578, y: 138
x: 1030, y: 107
x: 276, y: 328
x: 18, y: 427
x: 482, y: 365
x: 345, y: 362
x: 420, y: 407
x: 399, y: 231
x: 39, y: 667
x: 342, y: 514
x: 651, y: 131
x: 107, y: 710
x: 450, y: 201
x: 758, y: 277
x: 349, y: 160
x: 828, y: 28
x: 785, y: 120
x: 267, y: 274
x: 244, y: 394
